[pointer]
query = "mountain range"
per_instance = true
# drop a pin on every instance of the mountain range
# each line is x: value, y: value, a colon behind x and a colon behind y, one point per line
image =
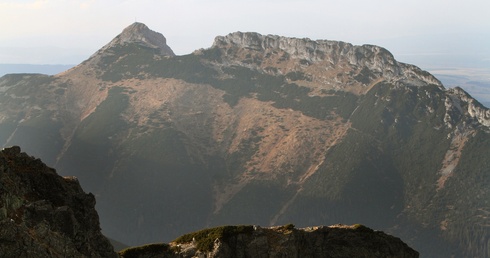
x: 260, y: 129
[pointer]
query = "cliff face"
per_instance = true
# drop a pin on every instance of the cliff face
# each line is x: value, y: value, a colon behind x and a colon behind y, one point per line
x: 43, y: 214
x: 324, y: 63
x: 281, y: 241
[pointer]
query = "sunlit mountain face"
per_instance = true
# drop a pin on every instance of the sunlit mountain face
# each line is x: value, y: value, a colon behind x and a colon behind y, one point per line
x: 263, y: 130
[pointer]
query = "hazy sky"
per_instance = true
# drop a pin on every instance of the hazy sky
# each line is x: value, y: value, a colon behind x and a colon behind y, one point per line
x: 69, y: 31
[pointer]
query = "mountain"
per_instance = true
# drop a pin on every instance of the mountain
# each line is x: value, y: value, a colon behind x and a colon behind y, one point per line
x: 260, y: 129
x: 45, y: 215
x: 280, y: 241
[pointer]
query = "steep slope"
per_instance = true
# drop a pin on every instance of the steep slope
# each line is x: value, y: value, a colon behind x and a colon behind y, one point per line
x: 261, y: 129
x: 45, y: 215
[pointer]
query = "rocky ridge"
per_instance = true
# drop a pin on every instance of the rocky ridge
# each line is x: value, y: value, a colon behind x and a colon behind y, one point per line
x: 326, y: 55
x: 464, y: 103
x: 45, y: 215
x: 280, y: 241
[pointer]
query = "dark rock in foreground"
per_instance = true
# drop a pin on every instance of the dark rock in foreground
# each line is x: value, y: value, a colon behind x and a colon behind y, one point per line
x: 45, y: 215
x: 283, y: 241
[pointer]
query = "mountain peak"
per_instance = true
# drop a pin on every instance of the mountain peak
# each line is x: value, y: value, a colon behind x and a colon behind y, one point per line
x: 140, y: 34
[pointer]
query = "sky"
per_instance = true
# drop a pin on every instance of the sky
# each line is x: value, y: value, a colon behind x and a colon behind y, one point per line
x: 69, y: 31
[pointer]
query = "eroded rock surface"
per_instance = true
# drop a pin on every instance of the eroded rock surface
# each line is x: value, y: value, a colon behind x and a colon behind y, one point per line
x: 281, y: 241
x: 43, y: 214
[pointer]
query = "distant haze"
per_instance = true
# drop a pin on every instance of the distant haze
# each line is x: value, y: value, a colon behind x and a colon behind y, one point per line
x: 430, y: 34
x: 404, y: 27
x: 30, y: 68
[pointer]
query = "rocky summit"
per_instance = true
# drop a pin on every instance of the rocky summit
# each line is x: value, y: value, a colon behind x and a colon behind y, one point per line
x: 140, y: 34
x: 260, y: 130
x: 43, y: 214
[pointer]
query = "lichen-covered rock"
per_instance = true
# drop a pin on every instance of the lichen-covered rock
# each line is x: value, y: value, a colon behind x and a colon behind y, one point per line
x: 43, y: 214
x: 283, y: 241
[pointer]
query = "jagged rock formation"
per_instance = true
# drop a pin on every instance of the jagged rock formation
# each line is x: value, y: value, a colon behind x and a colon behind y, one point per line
x: 282, y: 241
x: 261, y: 129
x: 43, y: 214
x: 366, y: 63
x: 459, y: 99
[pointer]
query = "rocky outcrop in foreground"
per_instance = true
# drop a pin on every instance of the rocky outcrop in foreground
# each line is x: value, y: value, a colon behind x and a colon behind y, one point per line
x: 45, y: 215
x: 283, y: 241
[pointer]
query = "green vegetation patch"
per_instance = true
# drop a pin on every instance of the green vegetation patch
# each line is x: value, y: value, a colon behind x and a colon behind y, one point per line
x: 288, y: 227
x: 362, y: 228
x: 150, y: 249
x: 205, y: 238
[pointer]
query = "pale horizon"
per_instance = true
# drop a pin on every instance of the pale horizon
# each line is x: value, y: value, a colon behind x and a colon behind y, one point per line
x: 435, y: 35
x: 68, y: 32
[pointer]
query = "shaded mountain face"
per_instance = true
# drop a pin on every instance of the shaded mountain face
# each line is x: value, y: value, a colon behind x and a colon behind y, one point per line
x: 45, y: 215
x: 262, y: 130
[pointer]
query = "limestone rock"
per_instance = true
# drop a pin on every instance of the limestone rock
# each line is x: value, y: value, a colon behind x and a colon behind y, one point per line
x: 464, y: 102
x: 320, y: 61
